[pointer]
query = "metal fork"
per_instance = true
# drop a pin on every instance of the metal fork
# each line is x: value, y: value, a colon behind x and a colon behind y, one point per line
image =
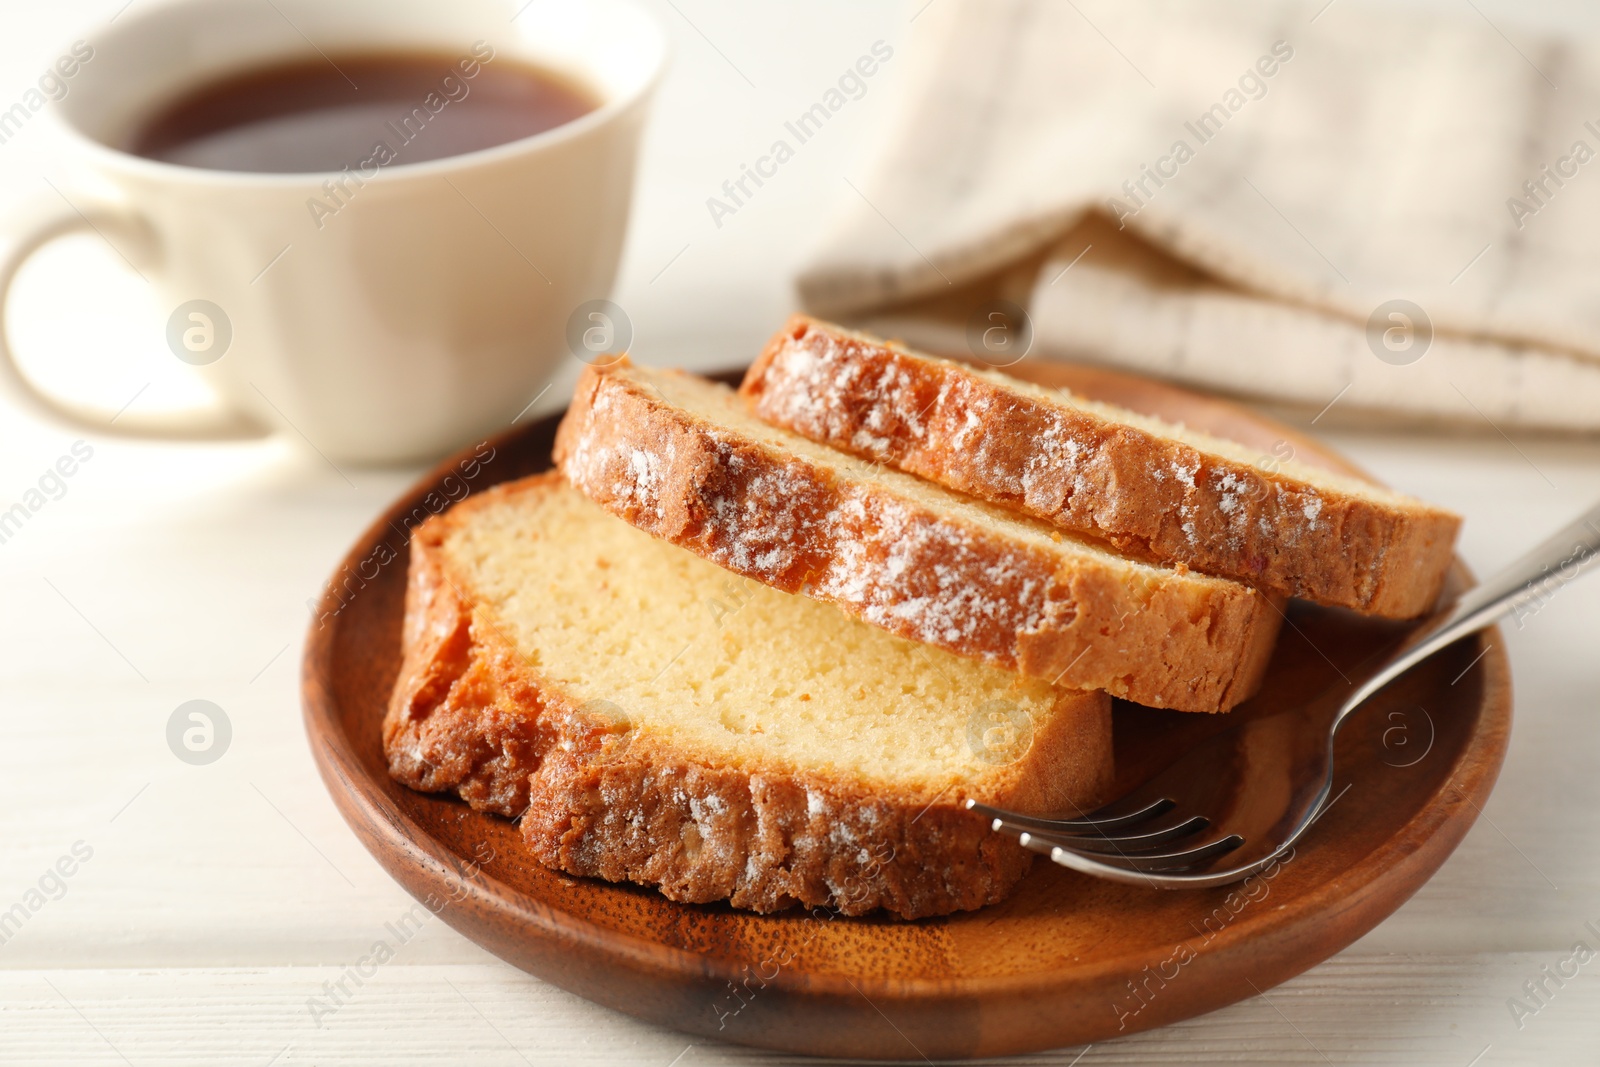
x: 1159, y: 834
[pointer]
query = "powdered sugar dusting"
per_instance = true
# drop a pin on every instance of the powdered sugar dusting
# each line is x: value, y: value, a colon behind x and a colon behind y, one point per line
x: 604, y: 467
x: 1230, y: 492
x: 881, y: 556
x: 820, y: 381
x: 1312, y: 508
x: 926, y: 578
x: 753, y: 529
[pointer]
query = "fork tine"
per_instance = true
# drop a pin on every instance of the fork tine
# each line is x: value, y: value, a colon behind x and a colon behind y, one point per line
x: 1167, y: 861
x: 1093, y: 823
x: 1121, y: 845
x: 1037, y: 844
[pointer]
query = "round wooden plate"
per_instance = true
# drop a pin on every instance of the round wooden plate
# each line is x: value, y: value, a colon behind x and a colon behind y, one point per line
x: 1067, y: 959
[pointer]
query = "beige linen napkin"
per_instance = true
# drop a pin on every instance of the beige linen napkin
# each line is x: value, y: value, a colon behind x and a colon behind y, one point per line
x: 1236, y: 195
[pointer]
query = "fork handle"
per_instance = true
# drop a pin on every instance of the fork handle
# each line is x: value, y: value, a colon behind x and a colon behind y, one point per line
x: 1524, y: 587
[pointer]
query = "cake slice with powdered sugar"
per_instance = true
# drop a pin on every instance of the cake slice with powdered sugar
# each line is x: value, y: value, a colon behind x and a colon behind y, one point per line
x: 1151, y: 488
x: 683, y: 458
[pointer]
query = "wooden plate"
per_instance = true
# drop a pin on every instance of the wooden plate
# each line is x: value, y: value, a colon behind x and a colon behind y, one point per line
x: 1067, y: 959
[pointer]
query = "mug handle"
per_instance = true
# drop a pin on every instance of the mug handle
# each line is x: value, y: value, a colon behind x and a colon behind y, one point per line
x: 47, y: 223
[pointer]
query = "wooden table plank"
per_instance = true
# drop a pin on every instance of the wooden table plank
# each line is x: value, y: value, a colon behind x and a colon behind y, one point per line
x: 1412, y: 1011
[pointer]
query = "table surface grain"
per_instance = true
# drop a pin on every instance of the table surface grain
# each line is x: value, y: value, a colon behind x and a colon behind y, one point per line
x: 210, y: 910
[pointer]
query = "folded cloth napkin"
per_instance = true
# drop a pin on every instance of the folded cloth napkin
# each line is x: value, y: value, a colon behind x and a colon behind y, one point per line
x: 1320, y: 203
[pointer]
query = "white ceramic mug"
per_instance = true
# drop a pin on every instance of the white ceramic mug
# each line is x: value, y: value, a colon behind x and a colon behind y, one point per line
x: 429, y: 307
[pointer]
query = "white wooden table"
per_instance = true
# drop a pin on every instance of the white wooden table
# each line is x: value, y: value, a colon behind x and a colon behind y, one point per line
x: 214, y: 901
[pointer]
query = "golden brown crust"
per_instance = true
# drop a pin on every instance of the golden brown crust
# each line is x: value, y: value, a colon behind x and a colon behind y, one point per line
x: 1150, y: 495
x: 469, y: 715
x: 460, y: 718
x: 1166, y: 638
x: 762, y: 842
